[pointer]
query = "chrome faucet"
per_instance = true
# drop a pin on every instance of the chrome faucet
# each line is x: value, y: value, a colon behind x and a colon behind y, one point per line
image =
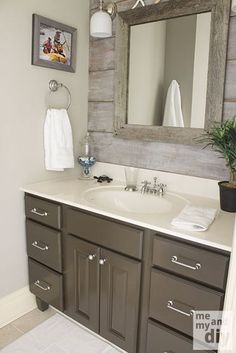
x: 155, y: 189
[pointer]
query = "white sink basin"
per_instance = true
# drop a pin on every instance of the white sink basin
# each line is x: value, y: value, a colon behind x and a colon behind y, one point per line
x: 117, y: 199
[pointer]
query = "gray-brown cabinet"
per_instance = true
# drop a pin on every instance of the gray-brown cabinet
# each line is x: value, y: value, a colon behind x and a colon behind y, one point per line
x: 81, y: 281
x: 135, y: 287
x: 119, y: 299
x: 102, y: 291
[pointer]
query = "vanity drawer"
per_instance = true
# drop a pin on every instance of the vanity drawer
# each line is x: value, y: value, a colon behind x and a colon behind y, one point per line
x: 44, y: 245
x: 190, y: 261
x: 112, y: 235
x: 46, y: 284
x: 161, y: 340
x: 43, y: 211
x: 173, y: 298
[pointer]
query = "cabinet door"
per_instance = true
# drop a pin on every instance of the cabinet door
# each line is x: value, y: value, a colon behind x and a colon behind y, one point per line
x: 119, y: 300
x: 82, y: 282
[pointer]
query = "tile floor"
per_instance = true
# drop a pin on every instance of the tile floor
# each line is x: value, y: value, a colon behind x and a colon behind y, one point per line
x: 24, y: 324
x: 50, y: 332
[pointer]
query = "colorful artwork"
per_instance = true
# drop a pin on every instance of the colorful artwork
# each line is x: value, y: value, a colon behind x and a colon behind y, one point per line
x: 53, y: 44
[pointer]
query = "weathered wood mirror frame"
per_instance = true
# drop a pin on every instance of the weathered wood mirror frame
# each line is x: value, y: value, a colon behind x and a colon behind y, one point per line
x: 220, y: 14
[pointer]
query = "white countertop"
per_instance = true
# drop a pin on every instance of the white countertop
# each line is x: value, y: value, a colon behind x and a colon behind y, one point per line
x: 70, y: 192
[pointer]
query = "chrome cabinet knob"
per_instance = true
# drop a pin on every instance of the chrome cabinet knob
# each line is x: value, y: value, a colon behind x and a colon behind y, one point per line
x: 91, y: 257
x: 102, y: 261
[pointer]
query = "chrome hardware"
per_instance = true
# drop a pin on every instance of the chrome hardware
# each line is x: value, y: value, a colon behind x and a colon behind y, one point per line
x: 91, y: 257
x: 155, y: 189
x: 170, y: 305
x: 47, y: 287
x: 161, y: 189
x: 102, y: 261
x: 155, y: 182
x: 41, y: 214
x: 36, y: 245
x: 131, y: 188
x: 145, y: 187
x: 54, y: 86
x: 174, y: 259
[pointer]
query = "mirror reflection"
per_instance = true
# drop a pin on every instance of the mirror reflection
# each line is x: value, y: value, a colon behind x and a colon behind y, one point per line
x: 168, y: 69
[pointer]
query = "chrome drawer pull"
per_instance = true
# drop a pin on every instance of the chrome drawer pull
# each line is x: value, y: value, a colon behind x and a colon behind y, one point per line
x: 41, y: 214
x: 198, y: 266
x: 170, y: 305
x: 35, y: 244
x: 91, y: 257
x: 45, y: 288
x: 102, y: 261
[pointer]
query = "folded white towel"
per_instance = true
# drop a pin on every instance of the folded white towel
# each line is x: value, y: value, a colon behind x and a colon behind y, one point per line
x: 58, y: 142
x: 173, y: 115
x: 197, y: 219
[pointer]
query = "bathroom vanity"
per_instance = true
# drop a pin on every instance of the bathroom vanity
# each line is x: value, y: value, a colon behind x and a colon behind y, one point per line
x: 134, y: 283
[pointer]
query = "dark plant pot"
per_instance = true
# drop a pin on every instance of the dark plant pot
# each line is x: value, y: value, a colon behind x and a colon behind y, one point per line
x: 227, y: 197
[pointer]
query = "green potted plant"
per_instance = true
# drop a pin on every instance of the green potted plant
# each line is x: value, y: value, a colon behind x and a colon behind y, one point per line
x: 222, y: 139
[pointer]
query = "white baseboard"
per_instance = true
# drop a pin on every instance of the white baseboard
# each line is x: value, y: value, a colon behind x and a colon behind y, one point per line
x: 16, y: 305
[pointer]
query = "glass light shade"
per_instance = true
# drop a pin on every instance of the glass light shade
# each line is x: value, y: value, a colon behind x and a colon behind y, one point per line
x: 101, y: 25
x: 234, y: 5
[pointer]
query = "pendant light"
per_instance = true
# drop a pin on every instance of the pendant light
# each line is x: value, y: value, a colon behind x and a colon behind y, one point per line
x: 101, y: 21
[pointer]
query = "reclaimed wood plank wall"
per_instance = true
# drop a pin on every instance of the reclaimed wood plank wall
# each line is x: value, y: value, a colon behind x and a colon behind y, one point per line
x: 175, y: 158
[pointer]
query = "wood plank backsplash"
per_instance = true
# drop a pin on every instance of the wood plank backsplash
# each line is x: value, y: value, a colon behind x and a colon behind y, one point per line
x: 175, y: 158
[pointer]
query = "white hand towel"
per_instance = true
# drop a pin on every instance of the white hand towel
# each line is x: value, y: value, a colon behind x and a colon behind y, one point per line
x: 197, y: 219
x: 173, y: 115
x: 58, y: 142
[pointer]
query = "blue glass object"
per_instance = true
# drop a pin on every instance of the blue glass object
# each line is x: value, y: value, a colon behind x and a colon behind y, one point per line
x: 86, y: 163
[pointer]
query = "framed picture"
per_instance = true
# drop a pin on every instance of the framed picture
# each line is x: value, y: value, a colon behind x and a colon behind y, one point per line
x: 53, y: 44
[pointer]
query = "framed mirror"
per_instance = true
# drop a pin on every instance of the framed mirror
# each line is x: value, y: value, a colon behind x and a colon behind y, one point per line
x: 170, y: 69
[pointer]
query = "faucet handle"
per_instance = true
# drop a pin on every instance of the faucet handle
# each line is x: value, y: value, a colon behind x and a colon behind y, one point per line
x: 145, y: 182
x: 161, y: 189
x: 145, y: 187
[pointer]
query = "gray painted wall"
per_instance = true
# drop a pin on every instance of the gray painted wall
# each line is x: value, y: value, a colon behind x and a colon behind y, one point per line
x: 23, y: 91
x: 188, y: 160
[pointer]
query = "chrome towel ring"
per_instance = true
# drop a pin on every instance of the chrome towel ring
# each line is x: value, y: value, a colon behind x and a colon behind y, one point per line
x: 54, y: 86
